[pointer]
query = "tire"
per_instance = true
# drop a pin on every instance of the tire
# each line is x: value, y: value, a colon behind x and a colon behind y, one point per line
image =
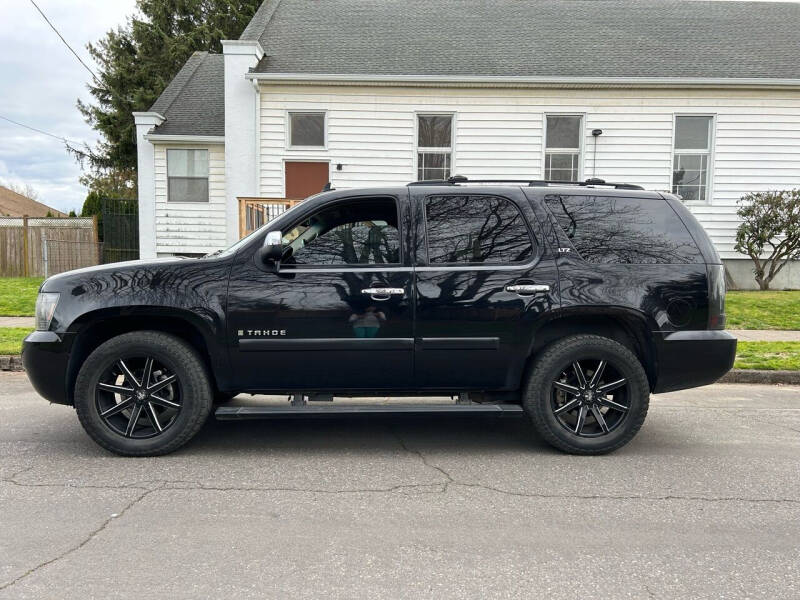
x: 551, y: 402
x: 171, y: 401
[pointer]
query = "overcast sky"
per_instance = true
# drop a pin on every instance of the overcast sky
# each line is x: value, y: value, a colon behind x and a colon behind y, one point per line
x: 40, y: 82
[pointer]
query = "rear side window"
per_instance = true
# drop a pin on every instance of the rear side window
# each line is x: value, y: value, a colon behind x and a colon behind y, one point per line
x: 476, y: 229
x: 607, y: 229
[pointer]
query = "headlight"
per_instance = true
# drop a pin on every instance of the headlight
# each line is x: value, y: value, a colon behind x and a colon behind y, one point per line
x: 45, y: 307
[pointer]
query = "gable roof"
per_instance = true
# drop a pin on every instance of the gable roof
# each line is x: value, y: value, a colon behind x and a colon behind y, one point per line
x: 531, y: 38
x: 591, y: 39
x: 194, y: 101
x: 13, y: 204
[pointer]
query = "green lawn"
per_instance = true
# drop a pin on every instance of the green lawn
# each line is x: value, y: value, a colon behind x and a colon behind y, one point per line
x: 768, y: 356
x: 18, y: 295
x: 11, y: 339
x: 763, y: 310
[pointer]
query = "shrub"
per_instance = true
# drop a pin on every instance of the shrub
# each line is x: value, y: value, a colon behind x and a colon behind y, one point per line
x: 770, y: 231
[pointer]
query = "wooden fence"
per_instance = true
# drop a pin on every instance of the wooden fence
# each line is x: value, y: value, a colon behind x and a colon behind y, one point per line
x: 39, y: 247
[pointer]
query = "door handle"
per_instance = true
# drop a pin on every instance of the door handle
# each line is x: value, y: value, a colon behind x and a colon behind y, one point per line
x: 383, y: 293
x: 527, y: 289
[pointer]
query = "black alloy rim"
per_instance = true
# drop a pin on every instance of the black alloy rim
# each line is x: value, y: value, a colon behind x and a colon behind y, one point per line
x: 590, y: 398
x: 138, y: 397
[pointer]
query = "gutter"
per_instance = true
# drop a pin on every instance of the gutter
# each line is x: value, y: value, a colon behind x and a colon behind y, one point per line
x: 524, y: 82
x: 198, y: 139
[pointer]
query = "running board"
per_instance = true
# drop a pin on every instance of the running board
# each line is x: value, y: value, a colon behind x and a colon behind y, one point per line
x: 238, y: 413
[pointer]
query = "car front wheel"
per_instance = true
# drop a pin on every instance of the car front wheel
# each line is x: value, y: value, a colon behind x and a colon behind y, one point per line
x: 143, y: 393
x: 587, y: 394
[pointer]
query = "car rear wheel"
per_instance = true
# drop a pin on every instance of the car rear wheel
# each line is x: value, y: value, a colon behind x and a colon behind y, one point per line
x: 144, y: 393
x: 587, y: 394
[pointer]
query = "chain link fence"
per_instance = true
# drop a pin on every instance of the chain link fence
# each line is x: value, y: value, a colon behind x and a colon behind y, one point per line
x: 59, y: 256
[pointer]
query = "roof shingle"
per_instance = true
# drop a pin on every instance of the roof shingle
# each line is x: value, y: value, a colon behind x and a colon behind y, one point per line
x: 13, y: 204
x: 530, y: 38
x: 194, y: 102
x: 504, y: 38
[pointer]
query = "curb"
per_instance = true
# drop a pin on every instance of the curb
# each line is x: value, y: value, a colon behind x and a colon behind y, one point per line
x: 768, y: 377
x: 11, y: 363
x: 14, y: 363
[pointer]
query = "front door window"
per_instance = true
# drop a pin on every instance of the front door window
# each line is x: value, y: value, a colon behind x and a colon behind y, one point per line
x: 361, y: 232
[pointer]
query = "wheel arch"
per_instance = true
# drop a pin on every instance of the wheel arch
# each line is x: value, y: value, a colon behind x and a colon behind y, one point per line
x: 97, y: 327
x: 628, y: 327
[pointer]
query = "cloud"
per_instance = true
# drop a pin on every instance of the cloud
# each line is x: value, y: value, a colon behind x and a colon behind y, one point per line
x: 41, y: 82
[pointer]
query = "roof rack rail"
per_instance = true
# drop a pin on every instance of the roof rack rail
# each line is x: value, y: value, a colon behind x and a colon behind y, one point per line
x: 456, y: 179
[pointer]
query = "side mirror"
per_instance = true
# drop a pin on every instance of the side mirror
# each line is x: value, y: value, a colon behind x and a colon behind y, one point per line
x: 272, y: 250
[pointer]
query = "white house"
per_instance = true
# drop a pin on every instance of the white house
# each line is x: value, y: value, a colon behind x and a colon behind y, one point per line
x: 699, y: 98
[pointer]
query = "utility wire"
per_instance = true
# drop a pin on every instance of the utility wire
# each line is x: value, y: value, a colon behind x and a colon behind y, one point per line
x: 53, y: 27
x: 52, y: 135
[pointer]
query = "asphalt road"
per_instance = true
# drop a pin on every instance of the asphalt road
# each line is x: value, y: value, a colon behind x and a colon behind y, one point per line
x: 705, y: 502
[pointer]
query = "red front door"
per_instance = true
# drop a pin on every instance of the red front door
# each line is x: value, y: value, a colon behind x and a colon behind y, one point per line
x: 305, y: 178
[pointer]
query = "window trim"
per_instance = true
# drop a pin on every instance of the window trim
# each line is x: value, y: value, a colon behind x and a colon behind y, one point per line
x: 581, y: 141
x: 536, y: 247
x: 207, y: 177
x: 310, y: 111
x: 710, y: 153
x: 433, y: 149
x: 355, y: 266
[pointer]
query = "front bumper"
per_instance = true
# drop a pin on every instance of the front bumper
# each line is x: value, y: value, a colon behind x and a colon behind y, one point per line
x: 46, y: 359
x: 688, y: 359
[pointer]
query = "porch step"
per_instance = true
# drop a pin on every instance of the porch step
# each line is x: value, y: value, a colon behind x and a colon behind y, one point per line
x: 237, y: 413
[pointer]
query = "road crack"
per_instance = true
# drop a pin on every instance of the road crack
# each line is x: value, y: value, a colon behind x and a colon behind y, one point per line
x: 92, y: 535
x: 183, y: 485
x: 424, y: 459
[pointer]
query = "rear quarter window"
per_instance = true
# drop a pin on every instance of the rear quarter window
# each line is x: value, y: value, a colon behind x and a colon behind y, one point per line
x: 609, y: 229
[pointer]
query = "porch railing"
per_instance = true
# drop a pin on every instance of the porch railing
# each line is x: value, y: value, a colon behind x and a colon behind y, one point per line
x: 254, y: 212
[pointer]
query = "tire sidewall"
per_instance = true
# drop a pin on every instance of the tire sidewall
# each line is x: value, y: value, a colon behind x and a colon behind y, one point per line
x: 555, y: 360
x: 195, y: 392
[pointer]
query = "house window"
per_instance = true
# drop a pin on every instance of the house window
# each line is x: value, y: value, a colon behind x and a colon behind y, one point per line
x: 307, y: 129
x: 692, y: 152
x: 434, y: 146
x: 562, y: 156
x: 187, y: 175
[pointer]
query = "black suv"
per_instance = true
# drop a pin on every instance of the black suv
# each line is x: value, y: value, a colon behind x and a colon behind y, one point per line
x: 571, y: 303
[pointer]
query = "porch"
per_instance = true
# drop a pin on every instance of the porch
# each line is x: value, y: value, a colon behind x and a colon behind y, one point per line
x: 254, y: 212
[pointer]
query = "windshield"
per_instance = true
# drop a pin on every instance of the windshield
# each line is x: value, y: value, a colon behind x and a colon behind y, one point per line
x: 233, y: 249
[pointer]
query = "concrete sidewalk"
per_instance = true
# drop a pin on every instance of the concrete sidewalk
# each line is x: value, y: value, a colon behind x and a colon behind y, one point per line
x: 765, y: 335
x: 29, y: 322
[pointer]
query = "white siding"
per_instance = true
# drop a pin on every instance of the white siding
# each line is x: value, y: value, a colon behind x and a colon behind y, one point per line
x: 498, y: 133
x: 191, y: 227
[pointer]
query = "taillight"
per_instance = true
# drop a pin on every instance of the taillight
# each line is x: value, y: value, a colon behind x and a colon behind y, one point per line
x: 716, y: 296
